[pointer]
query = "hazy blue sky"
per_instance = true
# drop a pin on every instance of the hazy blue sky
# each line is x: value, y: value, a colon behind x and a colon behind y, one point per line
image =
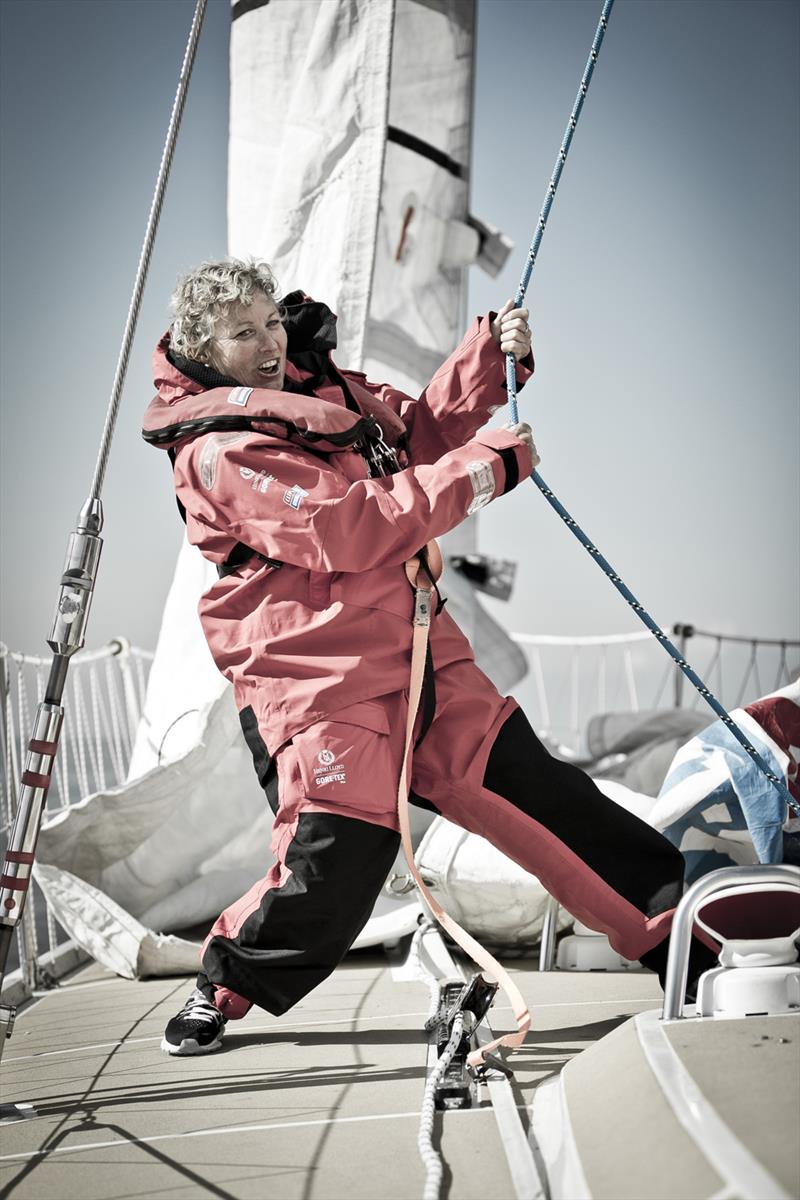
x: 665, y: 299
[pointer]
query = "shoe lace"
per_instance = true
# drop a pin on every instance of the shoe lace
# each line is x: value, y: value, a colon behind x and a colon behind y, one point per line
x: 198, y: 1008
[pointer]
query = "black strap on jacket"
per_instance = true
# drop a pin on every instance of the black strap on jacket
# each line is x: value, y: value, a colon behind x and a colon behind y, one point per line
x: 428, y: 696
x: 239, y: 555
x: 428, y: 678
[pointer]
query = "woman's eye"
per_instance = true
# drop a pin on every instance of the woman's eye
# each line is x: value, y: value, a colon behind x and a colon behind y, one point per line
x: 243, y: 333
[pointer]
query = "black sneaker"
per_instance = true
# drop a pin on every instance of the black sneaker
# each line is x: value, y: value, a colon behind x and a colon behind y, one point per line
x: 197, y: 1029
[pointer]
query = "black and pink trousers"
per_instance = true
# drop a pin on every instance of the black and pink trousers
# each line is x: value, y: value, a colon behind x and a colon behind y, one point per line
x: 333, y: 790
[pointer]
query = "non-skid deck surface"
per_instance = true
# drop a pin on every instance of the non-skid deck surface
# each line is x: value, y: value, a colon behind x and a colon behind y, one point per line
x: 749, y: 1070
x: 322, y: 1103
x: 570, y: 1011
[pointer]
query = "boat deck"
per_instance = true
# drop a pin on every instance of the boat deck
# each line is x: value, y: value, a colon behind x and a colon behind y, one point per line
x: 322, y: 1103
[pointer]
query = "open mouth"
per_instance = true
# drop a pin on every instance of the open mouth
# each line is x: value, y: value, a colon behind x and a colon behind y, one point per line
x: 269, y: 369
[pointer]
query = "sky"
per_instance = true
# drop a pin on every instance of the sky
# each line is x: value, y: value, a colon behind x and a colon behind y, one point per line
x: 665, y: 306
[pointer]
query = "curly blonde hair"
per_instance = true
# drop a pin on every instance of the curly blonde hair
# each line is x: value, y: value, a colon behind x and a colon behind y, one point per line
x: 207, y: 292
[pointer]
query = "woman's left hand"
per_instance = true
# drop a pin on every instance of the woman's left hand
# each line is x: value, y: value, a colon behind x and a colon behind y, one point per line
x: 511, y: 331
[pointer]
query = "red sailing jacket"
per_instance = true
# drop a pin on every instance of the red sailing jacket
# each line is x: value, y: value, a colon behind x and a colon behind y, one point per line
x: 283, y: 473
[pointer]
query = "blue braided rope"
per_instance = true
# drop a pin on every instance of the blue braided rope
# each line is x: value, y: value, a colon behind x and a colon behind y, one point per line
x: 511, y: 374
x: 658, y: 633
x: 511, y: 381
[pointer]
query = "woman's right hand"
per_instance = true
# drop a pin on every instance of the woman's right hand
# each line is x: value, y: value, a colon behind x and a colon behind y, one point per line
x: 525, y: 434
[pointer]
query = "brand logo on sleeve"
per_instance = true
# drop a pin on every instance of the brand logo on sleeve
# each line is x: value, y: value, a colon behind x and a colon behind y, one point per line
x: 294, y: 496
x: 210, y: 453
x: 239, y: 396
x: 261, y: 480
x: 481, y: 477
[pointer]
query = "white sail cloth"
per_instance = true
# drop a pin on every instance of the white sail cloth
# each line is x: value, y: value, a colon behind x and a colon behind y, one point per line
x: 309, y: 108
x: 350, y: 133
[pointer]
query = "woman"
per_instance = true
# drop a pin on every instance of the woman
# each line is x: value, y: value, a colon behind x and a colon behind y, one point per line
x: 310, y: 487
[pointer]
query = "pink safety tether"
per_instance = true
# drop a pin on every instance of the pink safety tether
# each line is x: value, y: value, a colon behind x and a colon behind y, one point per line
x: 423, y: 580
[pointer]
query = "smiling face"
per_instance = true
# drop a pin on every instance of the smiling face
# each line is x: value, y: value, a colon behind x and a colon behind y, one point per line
x: 249, y: 344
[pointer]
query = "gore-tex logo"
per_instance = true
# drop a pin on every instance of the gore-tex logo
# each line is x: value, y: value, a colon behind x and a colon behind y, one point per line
x: 329, y: 770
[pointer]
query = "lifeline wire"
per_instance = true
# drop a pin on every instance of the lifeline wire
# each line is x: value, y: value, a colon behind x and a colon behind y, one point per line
x: 511, y: 377
x: 511, y: 373
x: 147, y: 248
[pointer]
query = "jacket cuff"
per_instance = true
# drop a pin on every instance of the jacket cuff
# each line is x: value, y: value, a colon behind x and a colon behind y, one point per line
x: 513, y: 452
x: 525, y: 368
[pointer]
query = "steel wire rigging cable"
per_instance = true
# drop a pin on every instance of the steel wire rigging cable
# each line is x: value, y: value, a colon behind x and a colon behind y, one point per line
x: 553, y: 501
x: 77, y: 587
x: 147, y: 246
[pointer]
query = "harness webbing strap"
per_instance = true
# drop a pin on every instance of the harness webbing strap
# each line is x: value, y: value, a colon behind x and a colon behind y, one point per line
x: 423, y: 582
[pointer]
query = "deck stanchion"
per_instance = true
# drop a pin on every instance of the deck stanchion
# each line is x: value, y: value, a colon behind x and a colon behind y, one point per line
x: 547, y: 949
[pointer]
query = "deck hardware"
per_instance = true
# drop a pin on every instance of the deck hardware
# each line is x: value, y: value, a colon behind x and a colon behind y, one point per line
x: 763, y: 876
x: 456, y: 1087
x: 400, y: 885
x: 471, y: 1002
x: 7, y: 1017
x: 476, y: 997
x: 491, y: 1062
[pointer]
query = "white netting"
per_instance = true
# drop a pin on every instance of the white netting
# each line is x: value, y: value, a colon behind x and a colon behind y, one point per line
x: 94, y: 750
x: 144, y: 837
x: 97, y: 735
x: 572, y: 679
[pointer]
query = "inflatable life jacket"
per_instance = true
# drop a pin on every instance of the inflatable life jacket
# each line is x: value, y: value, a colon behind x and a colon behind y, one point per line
x: 320, y: 425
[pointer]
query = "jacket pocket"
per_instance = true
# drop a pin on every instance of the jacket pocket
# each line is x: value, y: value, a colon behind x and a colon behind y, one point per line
x: 348, y: 761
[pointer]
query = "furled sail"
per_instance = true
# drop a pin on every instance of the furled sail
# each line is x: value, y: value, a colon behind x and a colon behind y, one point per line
x: 350, y: 131
x: 325, y: 93
x: 349, y: 159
